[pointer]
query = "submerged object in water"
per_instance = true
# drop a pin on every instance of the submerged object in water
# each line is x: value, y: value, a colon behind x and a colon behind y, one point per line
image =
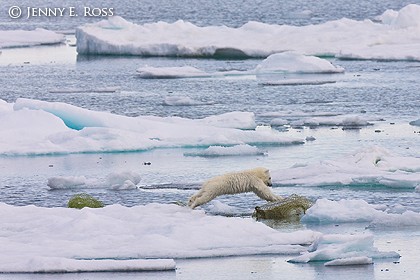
x: 292, y: 206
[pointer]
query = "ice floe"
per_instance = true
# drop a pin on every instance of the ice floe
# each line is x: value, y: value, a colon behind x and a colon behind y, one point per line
x: 287, y: 68
x: 37, y: 239
x: 343, y: 249
x: 291, y: 68
x: 153, y: 236
x: 374, y: 165
x: 393, y: 36
x: 117, y: 181
x: 27, y: 38
x: 39, y: 127
x: 237, y: 150
x: 149, y: 72
x: 326, y: 211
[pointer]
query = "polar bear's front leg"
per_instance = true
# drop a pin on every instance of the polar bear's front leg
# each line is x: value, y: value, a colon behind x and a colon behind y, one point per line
x: 264, y: 192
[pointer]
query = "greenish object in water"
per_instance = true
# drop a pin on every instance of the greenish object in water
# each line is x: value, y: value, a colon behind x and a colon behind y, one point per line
x: 82, y: 200
x: 290, y: 207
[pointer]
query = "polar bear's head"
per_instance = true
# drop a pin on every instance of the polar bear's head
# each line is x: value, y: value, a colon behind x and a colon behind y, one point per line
x: 263, y: 174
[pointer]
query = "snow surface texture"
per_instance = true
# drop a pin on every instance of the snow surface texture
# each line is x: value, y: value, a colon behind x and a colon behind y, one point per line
x: 370, y: 165
x: 62, y: 128
x: 37, y: 239
x: 395, y: 37
x: 27, y: 38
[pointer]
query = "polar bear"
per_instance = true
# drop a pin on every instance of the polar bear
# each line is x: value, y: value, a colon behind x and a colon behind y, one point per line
x: 254, y: 180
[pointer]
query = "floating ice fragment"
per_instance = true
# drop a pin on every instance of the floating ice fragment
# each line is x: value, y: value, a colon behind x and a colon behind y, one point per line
x: 350, y: 261
x: 333, y: 247
x: 292, y: 68
x: 237, y: 150
x: 148, y: 72
x: 27, y: 38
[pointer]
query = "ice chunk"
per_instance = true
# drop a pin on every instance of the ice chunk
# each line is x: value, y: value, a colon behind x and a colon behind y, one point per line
x: 123, y: 180
x: 66, y: 182
x: 117, y: 181
x: 32, y: 235
x: 346, y: 38
x: 39, y: 127
x: 331, y: 247
x: 370, y: 165
x: 237, y: 150
x: 291, y: 62
x: 290, y: 68
x: 353, y: 211
x: 27, y: 38
x: 148, y: 72
x: 350, y: 261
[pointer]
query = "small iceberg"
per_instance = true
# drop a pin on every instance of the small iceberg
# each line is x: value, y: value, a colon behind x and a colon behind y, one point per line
x: 292, y: 68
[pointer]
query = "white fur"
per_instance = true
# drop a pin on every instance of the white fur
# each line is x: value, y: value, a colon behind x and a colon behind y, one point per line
x: 255, y: 180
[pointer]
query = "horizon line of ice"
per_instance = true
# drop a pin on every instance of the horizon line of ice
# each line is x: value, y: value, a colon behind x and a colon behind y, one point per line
x: 395, y: 37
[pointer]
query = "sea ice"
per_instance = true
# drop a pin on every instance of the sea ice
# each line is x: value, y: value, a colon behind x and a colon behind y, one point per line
x: 27, y: 38
x: 237, y: 150
x: 56, y: 127
x: 54, y: 239
x: 334, y: 248
x: 368, y: 165
x: 350, y: 261
x: 291, y: 62
x: 326, y: 211
x: 148, y: 72
x: 395, y: 36
x: 117, y: 181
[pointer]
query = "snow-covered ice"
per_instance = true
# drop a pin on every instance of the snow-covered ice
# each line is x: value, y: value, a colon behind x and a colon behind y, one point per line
x: 28, y: 38
x: 373, y: 165
x: 116, y: 181
x: 149, y: 72
x: 54, y: 239
x: 336, y: 247
x: 394, y: 36
x: 237, y: 150
x: 39, y: 127
x: 150, y: 237
x: 357, y: 211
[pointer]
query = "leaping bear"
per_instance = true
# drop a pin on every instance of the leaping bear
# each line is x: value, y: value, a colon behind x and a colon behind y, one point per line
x: 255, y: 180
